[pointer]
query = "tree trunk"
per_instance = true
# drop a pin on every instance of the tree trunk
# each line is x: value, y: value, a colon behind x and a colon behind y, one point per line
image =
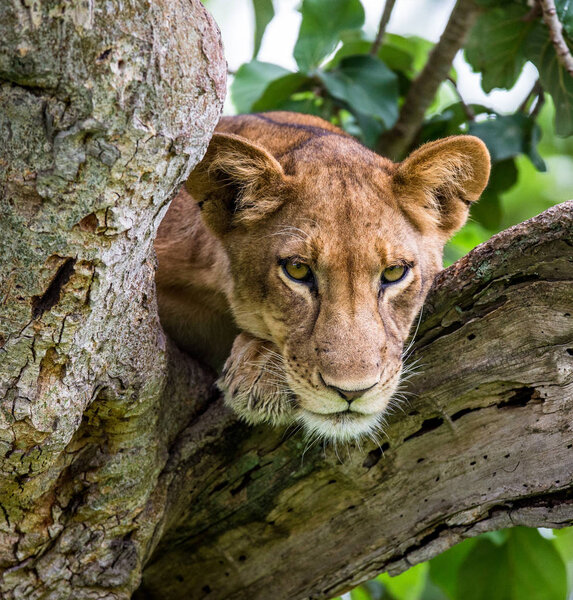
x: 104, y: 109
x: 116, y: 452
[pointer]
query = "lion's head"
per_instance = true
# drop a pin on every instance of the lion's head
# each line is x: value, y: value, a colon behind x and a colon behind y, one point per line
x: 332, y: 251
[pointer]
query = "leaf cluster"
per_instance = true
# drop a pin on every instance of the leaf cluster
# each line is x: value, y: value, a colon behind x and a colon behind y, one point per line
x: 512, y: 564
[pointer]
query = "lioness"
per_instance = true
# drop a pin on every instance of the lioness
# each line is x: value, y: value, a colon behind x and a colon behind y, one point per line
x: 315, y: 255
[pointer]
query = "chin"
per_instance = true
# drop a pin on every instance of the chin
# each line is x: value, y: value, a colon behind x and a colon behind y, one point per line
x: 339, y: 426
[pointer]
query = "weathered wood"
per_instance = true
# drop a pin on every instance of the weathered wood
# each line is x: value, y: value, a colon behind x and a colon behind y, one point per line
x: 484, y: 442
x: 104, y: 109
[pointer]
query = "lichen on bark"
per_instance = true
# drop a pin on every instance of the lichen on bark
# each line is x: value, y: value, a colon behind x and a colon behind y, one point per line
x: 104, y: 109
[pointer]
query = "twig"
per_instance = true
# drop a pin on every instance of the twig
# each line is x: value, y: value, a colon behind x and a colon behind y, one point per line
x: 396, y: 141
x: 539, y: 104
x: 536, y: 90
x: 388, y: 7
x: 470, y: 114
x: 556, y: 34
x: 534, y: 13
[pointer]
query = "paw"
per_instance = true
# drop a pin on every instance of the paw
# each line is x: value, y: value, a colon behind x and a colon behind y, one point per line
x: 254, y: 383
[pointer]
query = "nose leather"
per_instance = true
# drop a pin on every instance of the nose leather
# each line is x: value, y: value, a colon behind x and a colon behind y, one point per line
x: 348, y: 395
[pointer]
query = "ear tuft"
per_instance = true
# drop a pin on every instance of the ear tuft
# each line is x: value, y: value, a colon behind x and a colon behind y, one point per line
x: 237, y: 182
x: 438, y: 182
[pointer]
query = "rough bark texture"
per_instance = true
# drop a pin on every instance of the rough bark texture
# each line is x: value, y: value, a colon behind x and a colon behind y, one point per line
x: 114, y: 451
x: 485, y: 442
x: 104, y: 109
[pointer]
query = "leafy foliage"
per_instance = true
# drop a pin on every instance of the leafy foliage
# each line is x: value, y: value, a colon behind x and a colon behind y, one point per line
x: 264, y: 13
x: 495, y: 46
x: 512, y: 564
x: 554, y: 78
x: 251, y: 81
x: 359, y: 82
x: 322, y: 23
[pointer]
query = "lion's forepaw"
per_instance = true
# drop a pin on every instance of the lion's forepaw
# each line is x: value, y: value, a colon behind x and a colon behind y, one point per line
x: 254, y: 383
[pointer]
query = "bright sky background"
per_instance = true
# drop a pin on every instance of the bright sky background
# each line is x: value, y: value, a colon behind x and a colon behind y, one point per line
x: 425, y: 18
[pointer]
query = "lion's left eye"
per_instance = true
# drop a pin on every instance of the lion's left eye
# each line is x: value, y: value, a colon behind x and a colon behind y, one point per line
x: 394, y: 274
x: 297, y: 270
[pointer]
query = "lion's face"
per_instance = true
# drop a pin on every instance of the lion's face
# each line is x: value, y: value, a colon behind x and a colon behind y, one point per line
x: 333, y: 272
x: 313, y: 279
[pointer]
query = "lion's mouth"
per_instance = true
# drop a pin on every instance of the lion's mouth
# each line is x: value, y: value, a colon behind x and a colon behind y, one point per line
x: 339, y: 426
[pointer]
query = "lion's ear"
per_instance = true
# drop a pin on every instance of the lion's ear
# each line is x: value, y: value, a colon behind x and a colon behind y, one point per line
x: 237, y: 182
x: 438, y: 182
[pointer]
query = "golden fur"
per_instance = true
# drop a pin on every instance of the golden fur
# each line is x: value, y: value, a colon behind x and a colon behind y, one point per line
x: 281, y: 186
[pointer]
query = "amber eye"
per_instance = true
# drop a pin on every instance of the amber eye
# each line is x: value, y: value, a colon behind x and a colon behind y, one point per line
x: 394, y: 274
x: 297, y: 270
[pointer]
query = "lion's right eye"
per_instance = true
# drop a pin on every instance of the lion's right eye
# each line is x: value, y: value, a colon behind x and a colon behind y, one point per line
x: 394, y: 274
x: 296, y: 270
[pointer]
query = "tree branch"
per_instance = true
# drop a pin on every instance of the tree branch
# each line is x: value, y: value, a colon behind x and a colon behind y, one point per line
x: 556, y: 34
x: 384, y: 19
x: 537, y: 98
x: 485, y: 442
x: 538, y: 104
x: 468, y: 111
x: 395, y: 142
x: 535, y: 92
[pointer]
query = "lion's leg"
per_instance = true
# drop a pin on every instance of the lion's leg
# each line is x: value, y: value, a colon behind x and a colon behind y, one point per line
x: 254, y: 383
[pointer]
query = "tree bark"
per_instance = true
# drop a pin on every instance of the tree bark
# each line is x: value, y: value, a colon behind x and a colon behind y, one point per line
x: 116, y: 453
x: 104, y: 109
x: 484, y: 442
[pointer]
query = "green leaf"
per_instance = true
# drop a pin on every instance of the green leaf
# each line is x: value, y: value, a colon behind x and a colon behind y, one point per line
x: 408, y: 585
x: 366, y: 85
x: 251, y: 80
x: 264, y: 13
x: 508, y: 136
x: 527, y: 566
x: 488, y: 212
x: 360, y: 593
x: 305, y: 102
x: 370, y: 129
x: 449, y: 121
x: 279, y: 91
x: 405, y: 55
x: 416, y: 47
x: 444, y: 567
x: 485, y: 573
x: 537, y: 568
x: 495, y: 45
x: 353, y: 42
x: 509, y: 177
x: 563, y: 543
x: 565, y: 15
x: 553, y: 76
x: 467, y: 238
x: 323, y: 21
x: 397, y: 59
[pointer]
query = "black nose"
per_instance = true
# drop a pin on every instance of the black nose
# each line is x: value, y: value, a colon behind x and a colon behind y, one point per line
x: 348, y: 395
